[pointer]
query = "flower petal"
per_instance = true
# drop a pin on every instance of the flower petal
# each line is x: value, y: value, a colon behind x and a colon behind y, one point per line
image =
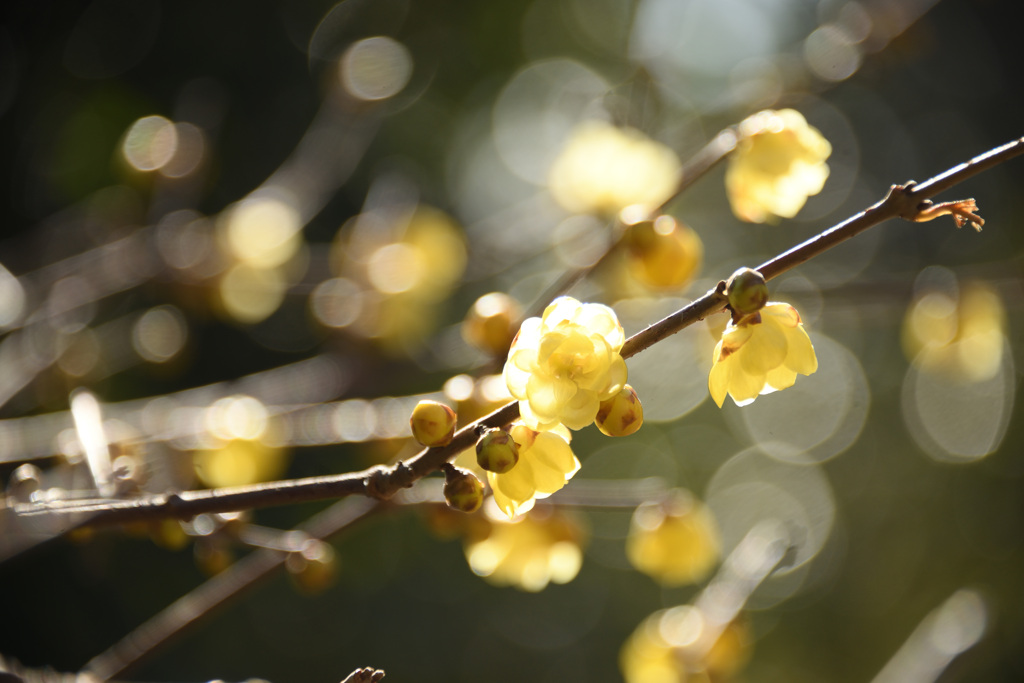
x: 581, y: 410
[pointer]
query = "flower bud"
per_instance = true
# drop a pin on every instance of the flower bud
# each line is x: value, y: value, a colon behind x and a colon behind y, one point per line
x: 663, y: 253
x: 622, y: 414
x: 433, y: 423
x: 747, y: 292
x: 496, y: 451
x: 462, y: 490
x: 490, y: 323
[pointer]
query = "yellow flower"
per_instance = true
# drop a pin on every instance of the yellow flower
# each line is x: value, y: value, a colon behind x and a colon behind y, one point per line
x: 545, y: 464
x: 604, y: 169
x: 675, y: 542
x: 962, y: 337
x: 529, y: 552
x: 672, y: 646
x: 563, y: 365
x: 761, y: 354
x: 779, y: 161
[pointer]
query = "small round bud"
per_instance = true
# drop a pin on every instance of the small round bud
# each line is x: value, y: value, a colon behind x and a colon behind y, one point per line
x: 622, y: 414
x: 313, y: 567
x: 663, y: 253
x: 497, y: 451
x: 462, y: 490
x: 490, y: 323
x: 747, y: 292
x: 433, y: 423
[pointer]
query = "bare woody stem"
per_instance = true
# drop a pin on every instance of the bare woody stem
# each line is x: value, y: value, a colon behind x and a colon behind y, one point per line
x: 904, y: 201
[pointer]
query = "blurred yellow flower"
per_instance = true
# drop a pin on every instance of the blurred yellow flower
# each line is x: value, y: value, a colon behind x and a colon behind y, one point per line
x: 962, y: 336
x: 603, y: 169
x: 529, y: 552
x: 675, y: 645
x: 760, y: 354
x: 561, y: 366
x: 778, y: 162
x: 545, y: 464
x: 675, y: 542
x: 663, y: 253
x: 397, y: 271
x: 239, y: 462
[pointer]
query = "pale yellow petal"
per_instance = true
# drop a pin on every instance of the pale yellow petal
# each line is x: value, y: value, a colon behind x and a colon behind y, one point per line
x: 801, y: 357
x: 779, y: 378
x: 581, y: 410
x: 765, y: 350
x: 718, y: 379
x: 564, y: 308
x: 549, y: 395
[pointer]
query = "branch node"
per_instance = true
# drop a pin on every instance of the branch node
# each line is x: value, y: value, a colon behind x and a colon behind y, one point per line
x: 377, y: 483
x: 382, y: 482
x: 176, y: 504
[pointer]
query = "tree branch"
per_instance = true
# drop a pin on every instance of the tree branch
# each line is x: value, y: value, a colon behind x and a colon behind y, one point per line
x: 381, y: 482
x: 215, y: 592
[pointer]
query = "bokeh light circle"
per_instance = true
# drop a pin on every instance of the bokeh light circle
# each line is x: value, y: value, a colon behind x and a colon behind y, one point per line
x: 375, y: 68
x: 820, y: 416
x: 667, y: 396
x: 957, y: 419
x: 159, y: 334
x: 337, y: 302
x: 150, y: 143
x: 753, y: 486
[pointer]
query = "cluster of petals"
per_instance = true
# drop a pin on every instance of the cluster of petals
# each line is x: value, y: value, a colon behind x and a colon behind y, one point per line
x: 546, y: 463
x: 528, y: 552
x: 961, y: 335
x: 604, y: 169
x: 562, y: 365
x: 779, y: 161
x: 761, y: 353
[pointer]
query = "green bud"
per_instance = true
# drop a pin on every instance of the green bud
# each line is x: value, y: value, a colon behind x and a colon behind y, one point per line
x: 462, y: 490
x: 747, y: 292
x: 497, y: 451
x: 433, y: 423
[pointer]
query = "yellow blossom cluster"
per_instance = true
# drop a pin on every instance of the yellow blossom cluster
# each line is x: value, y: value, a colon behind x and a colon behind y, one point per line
x: 604, y: 169
x: 545, y: 464
x: 779, y: 161
x: 528, y: 552
x: 675, y: 542
x: 679, y: 645
x: 761, y: 353
x: 563, y: 364
x: 961, y: 335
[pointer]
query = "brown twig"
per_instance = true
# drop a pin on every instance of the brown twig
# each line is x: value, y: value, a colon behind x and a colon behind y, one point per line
x: 709, y: 156
x: 215, y: 592
x: 381, y: 482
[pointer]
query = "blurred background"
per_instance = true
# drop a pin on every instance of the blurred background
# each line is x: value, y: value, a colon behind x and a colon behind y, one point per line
x: 243, y: 239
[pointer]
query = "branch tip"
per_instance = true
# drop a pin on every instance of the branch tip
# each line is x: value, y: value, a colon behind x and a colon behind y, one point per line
x: 365, y: 675
x: 963, y: 211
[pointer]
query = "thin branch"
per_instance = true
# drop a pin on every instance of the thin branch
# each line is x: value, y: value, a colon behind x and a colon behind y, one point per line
x: 215, y: 592
x: 381, y: 482
x: 709, y: 156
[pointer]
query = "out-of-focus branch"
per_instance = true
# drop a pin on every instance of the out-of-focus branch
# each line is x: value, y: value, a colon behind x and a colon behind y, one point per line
x: 215, y: 592
x: 381, y: 482
x: 695, y: 168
